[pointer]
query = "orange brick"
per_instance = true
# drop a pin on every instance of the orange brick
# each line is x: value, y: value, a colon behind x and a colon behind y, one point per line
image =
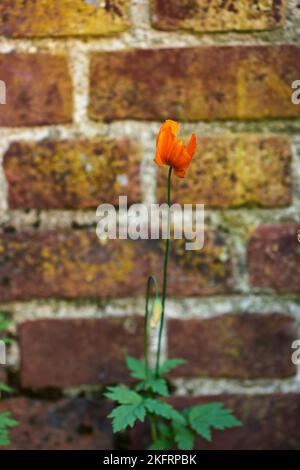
x: 235, y: 170
x: 204, y: 83
x: 63, y: 18
x: 70, y: 175
x: 214, y: 15
x: 74, y: 264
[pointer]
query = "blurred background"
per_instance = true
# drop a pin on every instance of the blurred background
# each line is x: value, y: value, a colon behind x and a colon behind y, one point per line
x: 85, y: 86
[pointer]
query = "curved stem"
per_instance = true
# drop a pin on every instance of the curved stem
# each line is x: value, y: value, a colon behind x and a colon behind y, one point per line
x: 164, y: 290
x: 151, y: 279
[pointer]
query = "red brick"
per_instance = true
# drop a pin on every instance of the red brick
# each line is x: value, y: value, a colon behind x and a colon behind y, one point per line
x: 270, y: 422
x: 92, y: 351
x: 74, y: 264
x: 244, y: 346
x: 213, y: 15
x: 74, y: 424
x: 235, y: 170
x: 274, y: 257
x: 204, y: 83
x: 70, y: 175
x: 3, y: 377
x: 38, y: 88
x: 59, y: 18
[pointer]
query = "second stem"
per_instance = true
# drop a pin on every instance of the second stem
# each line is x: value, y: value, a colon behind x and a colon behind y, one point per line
x: 165, y: 277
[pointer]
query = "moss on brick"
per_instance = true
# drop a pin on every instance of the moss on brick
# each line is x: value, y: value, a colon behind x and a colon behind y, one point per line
x: 214, y: 15
x: 58, y: 18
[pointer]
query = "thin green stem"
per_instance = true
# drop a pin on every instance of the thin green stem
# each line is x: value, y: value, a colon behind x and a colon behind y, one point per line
x: 165, y: 272
x: 153, y: 427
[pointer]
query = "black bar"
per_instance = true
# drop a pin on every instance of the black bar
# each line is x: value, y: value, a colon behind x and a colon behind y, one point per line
x: 135, y: 459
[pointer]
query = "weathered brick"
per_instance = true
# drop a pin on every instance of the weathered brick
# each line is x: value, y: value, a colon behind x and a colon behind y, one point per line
x: 270, y: 422
x: 274, y: 257
x: 204, y: 83
x: 245, y: 346
x: 235, y: 170
x: 3, y: 377
x: 38, y: 88
x: 74, y: 424
x: 75, y: 264
x: 70, y: 175
x: 92, y: 351
x: 213, y: 15
x: 58, y: 18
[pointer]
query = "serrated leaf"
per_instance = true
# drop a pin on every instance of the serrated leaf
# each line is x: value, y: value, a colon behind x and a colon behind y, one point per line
x: 155, y: 385
x: 184, y: 437
x: 170, y: 364
x: 160, y: 408
x: 125, y: 416
x: 4, y: 438
x: 203, y: 418
x: 5, y: 388
x: 6, y: 421
x: 136, y: 367
x: 8, y: 341
x: 4, y: 323
x: 123, y: 395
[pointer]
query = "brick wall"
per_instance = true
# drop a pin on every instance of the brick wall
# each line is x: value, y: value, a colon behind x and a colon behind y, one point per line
x: 88, y: 84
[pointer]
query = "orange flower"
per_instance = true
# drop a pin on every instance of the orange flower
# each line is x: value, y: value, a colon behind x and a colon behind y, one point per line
x: 171, y: 151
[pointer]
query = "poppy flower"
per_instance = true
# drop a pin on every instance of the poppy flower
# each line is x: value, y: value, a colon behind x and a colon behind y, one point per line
x: 171, y: 151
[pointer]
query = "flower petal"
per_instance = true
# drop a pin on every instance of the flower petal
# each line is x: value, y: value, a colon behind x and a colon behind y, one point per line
x: 191, y: 148
x: 165, y: 144
x: 173, y: 125
x: 179, y: 172
x: 171, y: 151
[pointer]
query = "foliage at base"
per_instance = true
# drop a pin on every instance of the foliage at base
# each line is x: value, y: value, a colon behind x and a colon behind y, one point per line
x: 170, y: 428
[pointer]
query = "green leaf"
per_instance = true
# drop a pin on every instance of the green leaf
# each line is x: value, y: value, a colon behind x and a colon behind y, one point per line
x: 170, y: 364
x: 4, y: 438
x: 5, y: 388
x: 184, y: 437
x: 156, y: 385
x: 160, y: 408
x: 125, y: 416
x: 6, y: 421
x: 4, y: 323
x: 136, y: 367
x: 203, y: 418
x: 165, y: 430
x: 8, y: 340
x: 123, y: 395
